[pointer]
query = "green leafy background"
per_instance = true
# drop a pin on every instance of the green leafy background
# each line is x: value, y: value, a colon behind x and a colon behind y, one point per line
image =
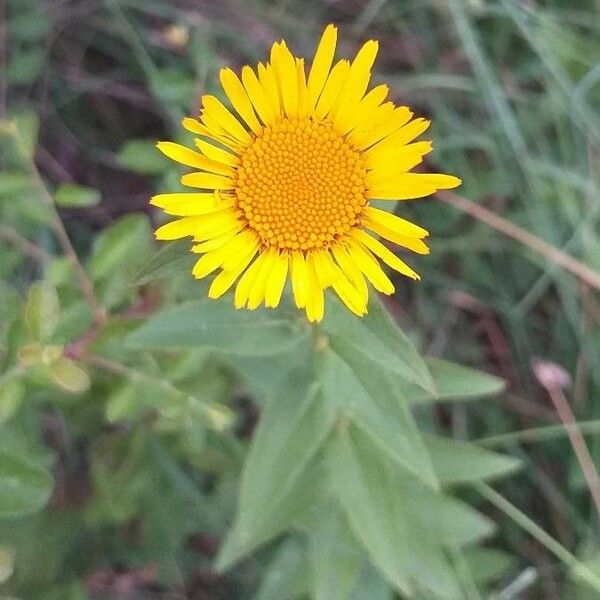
x: 154, y: 444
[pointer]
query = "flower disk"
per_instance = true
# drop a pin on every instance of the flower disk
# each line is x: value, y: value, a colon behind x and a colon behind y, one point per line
x: 286, y: 179
x: 301, y: 185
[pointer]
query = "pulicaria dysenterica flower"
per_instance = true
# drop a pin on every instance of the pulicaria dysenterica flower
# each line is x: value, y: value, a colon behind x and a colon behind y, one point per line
x: 287, y: 175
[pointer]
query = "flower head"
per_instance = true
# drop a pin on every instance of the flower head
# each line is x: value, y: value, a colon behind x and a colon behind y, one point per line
x: 288, y: 174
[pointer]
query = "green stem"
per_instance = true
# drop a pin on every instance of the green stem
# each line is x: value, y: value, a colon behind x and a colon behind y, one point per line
x: 535, y: 531
x: 539, y: 434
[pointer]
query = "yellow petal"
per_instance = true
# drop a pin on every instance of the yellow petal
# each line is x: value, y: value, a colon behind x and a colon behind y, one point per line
x: 214, y: 107
x: 216, y: 153
x: 251, y: 247
x: 213, y: 244
x: 332, y: 88
x: 285, y: 69
x: 349, y: 295
x: 367, y: 263
x: 207, y: 181
x: 319, y: 70
x: 352, y: 272
x: 276, y: 280
x: 190, y: 158
x: 300, y: 283
x: 315, y: 299
x: 225, y: 279
x: 239, y: 99
x: 257, y: 291
x: 408, y: 186
x: 363, y: 112
x: 268, y: 81
x: 178, y: 229
x: 382, y: 127
x: 183, y: 204
x: 398, y: 160
x: 302, y: 91
x: 215, y: 258
x: 386, y: 255
x: 401, y: 136
x: 395, y: 223
x: 194, y: 126
x: 247, y: 280
x: 257, y: 95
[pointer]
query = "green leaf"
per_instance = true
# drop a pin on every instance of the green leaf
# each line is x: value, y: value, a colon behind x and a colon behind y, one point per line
x: 374, y: 340
x: 457, y: 462
x: 170, y: 257
x: 24, y: 486
x: 335, y: 560
x: 42, y: 310
x: 143, y: 157
x: 455, y: 382
x: 69, y: 195
x: 286, y: 576
x: 25, y: 66
x: 218, y: 326
x: 489, y: 564
x: 278, y: 482
x: 120, y: 245
x: 11, y: 395
x: 380, y: 509
x: 71, y: 378
x: 378, y: 415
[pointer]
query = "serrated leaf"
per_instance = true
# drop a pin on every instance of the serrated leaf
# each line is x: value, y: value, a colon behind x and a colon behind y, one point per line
x: 143, y: 157
x: 11, y: 395
x: 24, y: 486
x: 374, y: 340
x: 457, y: 462
x: 42, y: 310
x: 69, y: 195
x: 386, y: 422
x: 218, y: 326
x: 455, y: 382
x: 374, y: 499
x: 169, y: 257
x: 277, y: 482
x: 116, y: 245
x: 71, y: 378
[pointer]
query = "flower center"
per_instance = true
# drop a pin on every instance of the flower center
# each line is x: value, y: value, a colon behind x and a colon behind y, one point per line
x: 301, y: 185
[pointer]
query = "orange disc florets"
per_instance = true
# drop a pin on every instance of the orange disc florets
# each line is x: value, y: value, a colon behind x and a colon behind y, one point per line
x: 301, y: 185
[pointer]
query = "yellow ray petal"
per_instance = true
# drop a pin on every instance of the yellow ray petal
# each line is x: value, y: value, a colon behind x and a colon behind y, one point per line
x: 363, y: 112
x: 315, y: 299
x: 184, y: 204
x: 257, y: 95
x: 251, y: 246
x: 239, y: 99
x: 349, y: 295
x: 385, y: 255
x: 247, y: 280
x: 194, y: 126
x: 321, y: 65
x: 207, y: 181
x: 225, y: 279
x: 257, y: 291
x: 352, y: 272
x: 395, y: 223
x: 367, y: 263
x: 213, y: 244
x: 276, y: 280
x: 302, y: 90
x: 382, y: 128
x: 398, y: 160
x: 408, y: 186
x: 300, y: 283
x: 188, y: 157
x: 214, y: 107
x: 268, y: 81
x: 284, y: 66
x: 215, y: 258
x: 178, y: 229
x: 332, y: 88
x: 401, y: 136
x: 216, y: 153
x: 216, y: 132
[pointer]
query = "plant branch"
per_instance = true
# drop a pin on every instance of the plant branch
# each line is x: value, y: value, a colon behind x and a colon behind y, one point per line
x: 582, y: 271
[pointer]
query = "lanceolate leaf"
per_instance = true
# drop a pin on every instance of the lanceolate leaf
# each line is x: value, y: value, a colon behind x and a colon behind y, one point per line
x: 455, y: 382
x: 371, y: 403
x: 377, y: 341
x: 455, y: 461
x: 279, y: 478
x: 218, y: 326
x: 382, y: 514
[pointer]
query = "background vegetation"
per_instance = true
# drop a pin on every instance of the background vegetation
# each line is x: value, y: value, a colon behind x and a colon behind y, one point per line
x: 120, y: 462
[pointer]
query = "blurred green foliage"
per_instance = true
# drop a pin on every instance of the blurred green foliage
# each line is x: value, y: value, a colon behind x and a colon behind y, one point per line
x: 131, y: 465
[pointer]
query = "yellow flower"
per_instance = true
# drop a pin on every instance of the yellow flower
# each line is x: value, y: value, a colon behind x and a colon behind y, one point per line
x: 288, y: 178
